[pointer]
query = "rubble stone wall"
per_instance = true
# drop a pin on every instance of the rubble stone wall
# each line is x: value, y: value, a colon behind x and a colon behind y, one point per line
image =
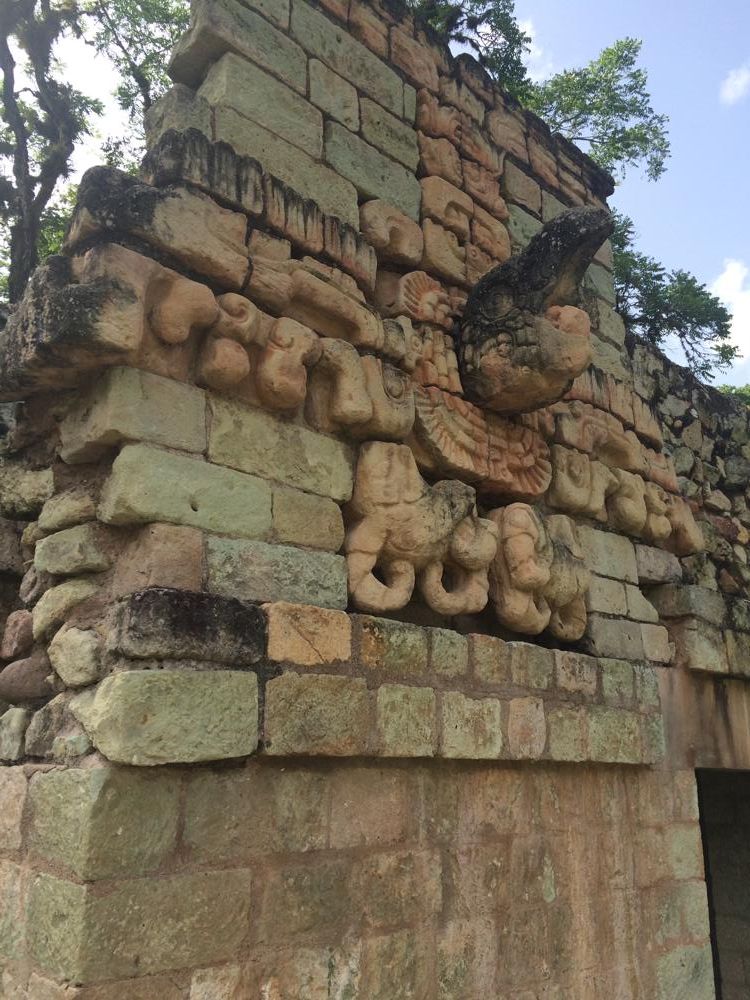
x: 366, y: 617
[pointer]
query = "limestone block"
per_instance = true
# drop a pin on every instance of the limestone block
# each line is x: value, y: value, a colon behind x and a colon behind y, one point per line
x: 575, y: 672
x: 305, y: 519
x: 439, y: 158
x: 611, y: 325
x: 161, y: 623
x: 551, y: 206
x: 615, y: 638
x: 13, y: 725
x: 72, y: 551
x: 168, y: 219
x: 530, y: 666
x: 410, y: 532
x: 104, y: 821
x: 18, y: 636
x: 700, y: 646
x: 443, y: 255
x: 406, y: 721
x: 256, y: 442
x: 307, y: 636
x: 527, y: 728
x: 325, y: 41
x: 74, y: 506
x: 522, y: 189
x: 608, y: 554
x: 220, y: 26
x: 236, y: 83
x: 657, y: 566
x: 414, y: 59
x: 76, y: 655
x: 441, y: 121
x: 328, y: 189
x: 471, y: 727
x: 607, y: 596
x: 568, y: 733
x: 677, y: 600
x: 160, y: 555
x: 482, y: 185
x: 147, y: 484
x: 393, y: 649
x: 139, y: 927
x: 368, y: 26
x: 317, y: 715
x: 449, y: 653
x: 396, y: 238
x: 447, y: 205
x: 508, y: 133
x: 373, y: 174
x: 177, y: 110
x: 334, y: 95
x: 389, y: 134
x: 639, y: 608
x: 656, y: 644
x: 614, y: 736
x: 54, y: 606
x: 543, y: 160
x: 255, y: 571
x: 147, y: 718
x: 618, y: 681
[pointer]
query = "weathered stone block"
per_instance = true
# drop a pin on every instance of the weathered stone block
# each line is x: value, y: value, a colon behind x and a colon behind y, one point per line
x: 575, y: 672
x: 305, y: 519
x: 738, y: 652
x: 317, y: 714
x: 104, y: 821
x: 130, y: 405
x: 618, y: 682
x: 13, y: 725
x: 599, y: 280
x: 147, y: 484
x: 13, y: 789
x: 73, y: 506
x: 608, y: 554
x: 18, y: 635
x: 530, y: 666
x: 568, y: 733
x: 307, y: 636
x: 139, y: 926
x: 255, y: 571
x: 72, y: 551
x: 256, y: 442
x: 607, y: 596
x: 54, y: 606
x: 160, y: 555
x: 700, y: 646
x: 639, y: 608
x: 335, y: 195
x: 657, y: 566
x: 527, y: 728
x: 392, y: 649
x: 76, y: 655
x: 685, y: 600
x: 373, y: 174
x: 522, y: 189
x: 521, y: 226
x: 334, y: 95
x: 615, y: 638
x: 220, y: 26
x: 656, y: 644
x: 147, y: 717
x: 614, y: 736
x: 389, y: 134
x: 348, y: 57
x: 611, y: 325
x: 12, y: 914
x: 236, y: 83
x: 174, y: 624
x: 406, y: 721
x: 449, y: 653
x: 471, y: 727
x: 490, y: 658
x: 23, y: 491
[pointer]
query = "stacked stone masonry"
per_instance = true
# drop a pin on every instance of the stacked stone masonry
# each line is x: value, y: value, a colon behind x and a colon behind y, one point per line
x: 369, y: 597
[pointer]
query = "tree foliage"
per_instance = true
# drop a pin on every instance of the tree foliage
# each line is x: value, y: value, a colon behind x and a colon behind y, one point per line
x: 666, y: 307
x: 741, y: 392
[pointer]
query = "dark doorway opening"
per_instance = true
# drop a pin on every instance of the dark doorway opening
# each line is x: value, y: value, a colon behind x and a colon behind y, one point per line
x: 724, y: 799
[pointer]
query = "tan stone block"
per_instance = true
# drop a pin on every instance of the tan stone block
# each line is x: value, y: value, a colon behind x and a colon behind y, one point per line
x: 395, y: 237
x: 147, y: 484
x: 129, y: 405
x: 701, y: 646
x: 73, y: 506
x: 306, y: 635
x: 13, y: 789
x: 101, y: 822
x: 439, y: 158
x: 13, y: 725
x: 317, y: 714
x: 490, y: 235
x: 442, y: 253
x: 527, y: 728
x: 616, y: 638
x: 543, y: 161
x: 234, y: 82
x: 160, y: 555
x: 366, y: 24
x: 392, y: 649
x: 55, y: 604
x: 575, y: 672
x: 304, y: 519
x: 608, y: 554
x: 482, y: 185
x: 508, y: 133
x: 474, y: 145
x: 656, y: 644
x: 76, y: 655
x: 618, y: 678
x: 447, y: 205
x: 148, y: 717
x: 406, y: 721
x: 491, y: 659
x: 139, y: 926
x: 436, y: 119
x: 639, y: 608
x: 414, y: 59
x: 23, y: 492
x: 72, y: 551
x: 530, y: 666
x: 449, y: 653
x: 334, y: 95
x: 217, y: 983
x: 568, y: 733
x: 471, y: 727
x: 388, y: 133
x: 522, y: 189
x: 684, y: 852
x: 460, y: 96
x: 478, y: 263
x: 614, y: 736
x: 397, y: 888
x: 607, y: 596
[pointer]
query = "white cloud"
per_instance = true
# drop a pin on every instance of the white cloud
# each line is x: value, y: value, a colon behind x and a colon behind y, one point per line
x: 733, y: 288
x: 538, y: 64
x: 735, y: 85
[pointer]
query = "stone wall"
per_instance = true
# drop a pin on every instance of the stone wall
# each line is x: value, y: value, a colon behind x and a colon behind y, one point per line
x: 366, y: 619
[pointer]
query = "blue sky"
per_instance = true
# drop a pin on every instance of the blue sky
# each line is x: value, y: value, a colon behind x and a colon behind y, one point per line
x: 697, y: 216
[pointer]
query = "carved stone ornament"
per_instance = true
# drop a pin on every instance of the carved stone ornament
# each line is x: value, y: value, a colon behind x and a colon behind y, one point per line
x: 538, y: 579
x: 522, y: 339
x: 404, y: 534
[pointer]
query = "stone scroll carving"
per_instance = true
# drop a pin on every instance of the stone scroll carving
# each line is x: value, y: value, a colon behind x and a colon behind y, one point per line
x: 522, y: 338
x: 538, y: 579
x: 404, y: 534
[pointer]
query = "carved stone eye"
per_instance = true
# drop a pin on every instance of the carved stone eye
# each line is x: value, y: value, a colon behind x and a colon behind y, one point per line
x: 394, y: 383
